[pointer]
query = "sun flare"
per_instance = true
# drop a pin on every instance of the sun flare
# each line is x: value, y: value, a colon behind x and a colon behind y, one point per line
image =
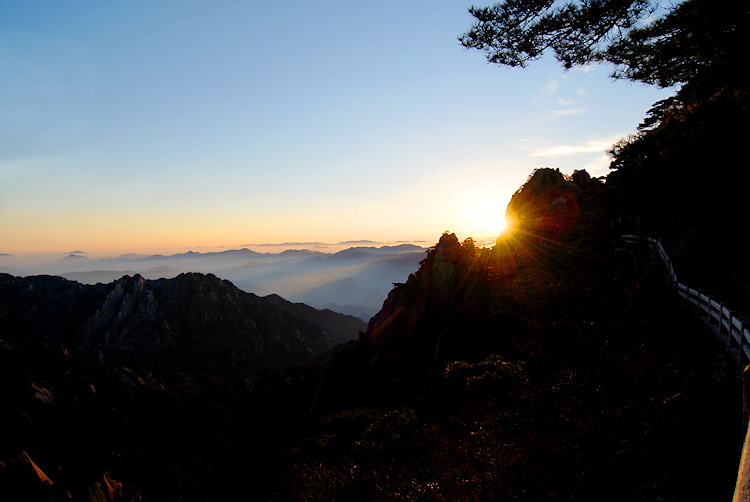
x: 496, y: 224
x: 490, y: 226
x: 508, y: 226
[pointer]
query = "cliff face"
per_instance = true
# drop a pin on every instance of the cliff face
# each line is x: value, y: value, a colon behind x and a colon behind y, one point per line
x: 129, y: 320
x: 193, y: 322
x: 446, y: 299
x: 182, y: 399
x: 407, y: 304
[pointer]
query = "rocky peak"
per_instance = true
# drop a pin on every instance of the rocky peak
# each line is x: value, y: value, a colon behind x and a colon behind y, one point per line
x: 547, y: 203
x: 128, y: 321
x: 427, y: 295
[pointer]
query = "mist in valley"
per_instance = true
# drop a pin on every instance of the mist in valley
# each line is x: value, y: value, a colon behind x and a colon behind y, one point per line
x: 353, y: 280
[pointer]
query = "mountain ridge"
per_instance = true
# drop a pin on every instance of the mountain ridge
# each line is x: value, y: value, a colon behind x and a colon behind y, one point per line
x: 193, y: 322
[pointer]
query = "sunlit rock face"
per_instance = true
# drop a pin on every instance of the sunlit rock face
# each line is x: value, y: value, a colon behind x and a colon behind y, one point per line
x: 546, y: 204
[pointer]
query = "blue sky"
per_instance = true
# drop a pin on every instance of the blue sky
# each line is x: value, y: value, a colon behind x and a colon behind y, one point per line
x: 135, y: 126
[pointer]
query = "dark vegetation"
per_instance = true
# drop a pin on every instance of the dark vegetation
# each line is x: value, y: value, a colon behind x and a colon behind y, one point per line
x: 549, y: 367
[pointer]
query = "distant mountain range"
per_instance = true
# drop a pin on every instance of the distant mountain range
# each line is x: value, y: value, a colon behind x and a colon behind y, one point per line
x: 193, y: 322
x: 353, y: 281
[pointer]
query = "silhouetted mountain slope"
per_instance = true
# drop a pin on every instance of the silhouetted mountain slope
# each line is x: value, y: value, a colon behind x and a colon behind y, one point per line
x: 340, y: 326
x: 46, y: 309
x: 193, y: 322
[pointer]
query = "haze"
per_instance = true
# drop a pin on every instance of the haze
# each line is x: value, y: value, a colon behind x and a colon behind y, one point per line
x: 351, y: 278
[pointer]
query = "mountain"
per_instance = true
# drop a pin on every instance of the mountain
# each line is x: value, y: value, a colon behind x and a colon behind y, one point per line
x: 172, y: 388
x: 193, y: 322
x: 543, y: 368
x: 357, y: 277
x: 105, y: 276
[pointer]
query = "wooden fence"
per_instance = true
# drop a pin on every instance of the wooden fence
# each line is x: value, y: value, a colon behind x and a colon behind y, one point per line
x: 730, y: 328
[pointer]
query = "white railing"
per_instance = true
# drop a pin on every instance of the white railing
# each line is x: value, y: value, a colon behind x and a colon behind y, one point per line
x: 724, y: 322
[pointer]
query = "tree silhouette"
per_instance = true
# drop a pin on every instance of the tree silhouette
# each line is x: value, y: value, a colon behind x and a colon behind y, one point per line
x: 644, y: 40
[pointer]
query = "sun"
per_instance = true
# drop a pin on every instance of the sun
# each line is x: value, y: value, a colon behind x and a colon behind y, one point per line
x: 487, y: 222
x: 496, y: 224
x: 508, y: 226
x: 491, y: 225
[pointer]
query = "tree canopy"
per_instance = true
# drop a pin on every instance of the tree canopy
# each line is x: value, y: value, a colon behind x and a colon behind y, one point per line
x: 645, y: 40
x: 515, y: 32
x: 693, y: 44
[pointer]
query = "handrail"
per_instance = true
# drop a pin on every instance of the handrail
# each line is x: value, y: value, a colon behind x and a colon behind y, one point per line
x: 722, y: 321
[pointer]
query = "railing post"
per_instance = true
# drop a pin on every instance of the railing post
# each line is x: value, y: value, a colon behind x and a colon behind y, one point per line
x: 742, y: 487
x: 743, y: 342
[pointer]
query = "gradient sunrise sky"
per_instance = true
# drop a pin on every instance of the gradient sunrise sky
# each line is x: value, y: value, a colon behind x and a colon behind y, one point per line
x: 131, y: 126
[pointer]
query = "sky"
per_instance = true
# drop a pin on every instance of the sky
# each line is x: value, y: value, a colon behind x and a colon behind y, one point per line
x: 132, y: 126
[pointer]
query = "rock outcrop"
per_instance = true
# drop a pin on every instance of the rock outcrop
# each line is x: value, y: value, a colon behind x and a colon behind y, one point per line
x: 546, y: 204
x: 423, y: 306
